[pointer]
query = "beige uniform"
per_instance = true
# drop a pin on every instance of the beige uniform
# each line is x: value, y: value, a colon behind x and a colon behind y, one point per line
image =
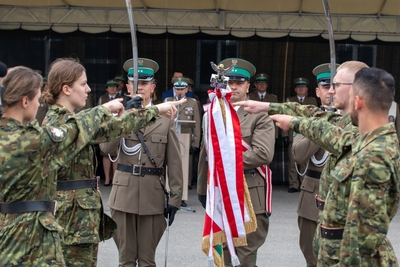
x: 258, y: 131
x: 303, y: 151
x: 190, y: 111
x: 137, y: 202
x: 294, y: 181
x: 267, y: 98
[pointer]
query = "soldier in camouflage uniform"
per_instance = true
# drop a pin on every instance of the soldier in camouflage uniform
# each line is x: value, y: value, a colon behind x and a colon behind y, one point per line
x: 363, y: 194
x: 80, y: 209
x: 312, y: 158
x: 30, y: 156
x: 340, y: 92
x: 361, y: 187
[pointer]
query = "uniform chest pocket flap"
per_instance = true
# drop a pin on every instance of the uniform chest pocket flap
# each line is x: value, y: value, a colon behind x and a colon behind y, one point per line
x: 343, y: 170
x: 246, y: 132
x: 157, y: 138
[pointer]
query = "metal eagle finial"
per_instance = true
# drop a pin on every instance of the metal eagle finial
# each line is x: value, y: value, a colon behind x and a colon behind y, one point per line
x: 219, y: 80
x: 220, y: 70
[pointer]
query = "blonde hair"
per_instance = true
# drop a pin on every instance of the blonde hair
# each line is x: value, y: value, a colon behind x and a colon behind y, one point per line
x: 352, y: 66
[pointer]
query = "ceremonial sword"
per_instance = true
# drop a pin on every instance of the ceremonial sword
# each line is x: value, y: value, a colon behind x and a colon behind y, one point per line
x: 331, y: 46
x: 134, y: 46
x: 135, y: 88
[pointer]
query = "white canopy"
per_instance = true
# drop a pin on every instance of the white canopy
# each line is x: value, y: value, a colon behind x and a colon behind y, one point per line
x: 361, y: 20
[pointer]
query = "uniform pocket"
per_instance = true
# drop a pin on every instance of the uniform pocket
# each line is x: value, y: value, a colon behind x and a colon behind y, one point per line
x: 340, y: 185
x: 160, y: 142
x: 120, y: 187
x: 308, y: 186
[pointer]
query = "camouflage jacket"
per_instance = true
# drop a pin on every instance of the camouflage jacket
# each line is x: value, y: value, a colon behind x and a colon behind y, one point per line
x: 363, y: 194
x: 307, y: 111
x: 80, y: 211
x: 30, y: 157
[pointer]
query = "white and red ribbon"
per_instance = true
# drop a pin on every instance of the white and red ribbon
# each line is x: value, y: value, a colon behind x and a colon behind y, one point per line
x: 266, y: 173
x: 225, y: 208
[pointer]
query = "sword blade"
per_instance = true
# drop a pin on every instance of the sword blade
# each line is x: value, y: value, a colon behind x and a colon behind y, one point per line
x: 331, y: 44
x: 134, y: 46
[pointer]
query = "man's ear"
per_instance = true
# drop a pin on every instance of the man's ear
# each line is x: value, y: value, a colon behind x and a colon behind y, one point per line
x: 358, y: 102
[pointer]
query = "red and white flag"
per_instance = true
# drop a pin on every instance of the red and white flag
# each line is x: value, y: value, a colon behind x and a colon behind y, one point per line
x: 229, y: 212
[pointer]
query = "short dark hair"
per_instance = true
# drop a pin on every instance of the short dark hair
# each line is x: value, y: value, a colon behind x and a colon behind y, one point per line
x: 177, y: 70
x: 377, y: 86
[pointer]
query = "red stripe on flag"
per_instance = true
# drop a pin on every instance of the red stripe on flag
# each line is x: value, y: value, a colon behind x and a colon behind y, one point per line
x: 222, y: 180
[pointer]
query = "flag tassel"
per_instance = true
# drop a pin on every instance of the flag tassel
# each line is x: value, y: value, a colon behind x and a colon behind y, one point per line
x: 210, y: 262
x: 235, y: 260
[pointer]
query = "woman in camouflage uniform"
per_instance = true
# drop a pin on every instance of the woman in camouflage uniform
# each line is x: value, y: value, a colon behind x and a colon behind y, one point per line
x: 30, y: 156
x: 80, y: 209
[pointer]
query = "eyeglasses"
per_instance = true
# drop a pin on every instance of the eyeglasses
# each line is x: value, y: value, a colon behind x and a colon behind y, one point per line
x: 336, y: 85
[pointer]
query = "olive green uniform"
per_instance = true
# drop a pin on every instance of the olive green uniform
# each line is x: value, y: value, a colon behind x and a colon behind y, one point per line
x: 362, y: 196
x: 80, y: 211
x: 31, y: 156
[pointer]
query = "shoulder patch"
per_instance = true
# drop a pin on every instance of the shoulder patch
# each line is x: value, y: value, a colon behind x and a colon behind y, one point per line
x: 56, y: 134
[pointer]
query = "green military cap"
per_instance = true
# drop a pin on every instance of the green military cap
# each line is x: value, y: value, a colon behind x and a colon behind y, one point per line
x: 180, y: 83
x: 146, y: 69
x: 323, y: 73
x: 190, y: 82
x: 301, y: 81
x: 261, y: 78
x: 243, y: 69
x: 44, y: 79
x: 112, y: 83
x: 120, y: 79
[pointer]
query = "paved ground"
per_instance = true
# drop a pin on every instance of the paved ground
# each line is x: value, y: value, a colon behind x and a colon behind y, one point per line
x: 184, y: 249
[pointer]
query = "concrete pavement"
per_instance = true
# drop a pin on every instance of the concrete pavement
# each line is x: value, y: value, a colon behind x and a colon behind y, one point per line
x: 281, y: 248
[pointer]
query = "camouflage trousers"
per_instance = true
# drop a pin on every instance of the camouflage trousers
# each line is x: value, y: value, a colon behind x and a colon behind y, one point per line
x: 329, y: 251
x: 82, y: 255
x: 27, y: 240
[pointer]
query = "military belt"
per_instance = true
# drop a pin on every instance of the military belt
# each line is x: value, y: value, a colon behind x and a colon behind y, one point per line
x: 332, y: 233
x: 28, y: 206
x: 250, y: 171
x: 78, y: 184
x: 320, y: 203
x: 313, y: 174
x: 139, y: 170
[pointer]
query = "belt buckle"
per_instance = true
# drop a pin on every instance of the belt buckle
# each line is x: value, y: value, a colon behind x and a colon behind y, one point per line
x: 97, y: 182
x: 137, y: 173
x: 55, y: 207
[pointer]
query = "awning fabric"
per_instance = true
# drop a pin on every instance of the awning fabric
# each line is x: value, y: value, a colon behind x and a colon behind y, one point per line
x: 361, y: 20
